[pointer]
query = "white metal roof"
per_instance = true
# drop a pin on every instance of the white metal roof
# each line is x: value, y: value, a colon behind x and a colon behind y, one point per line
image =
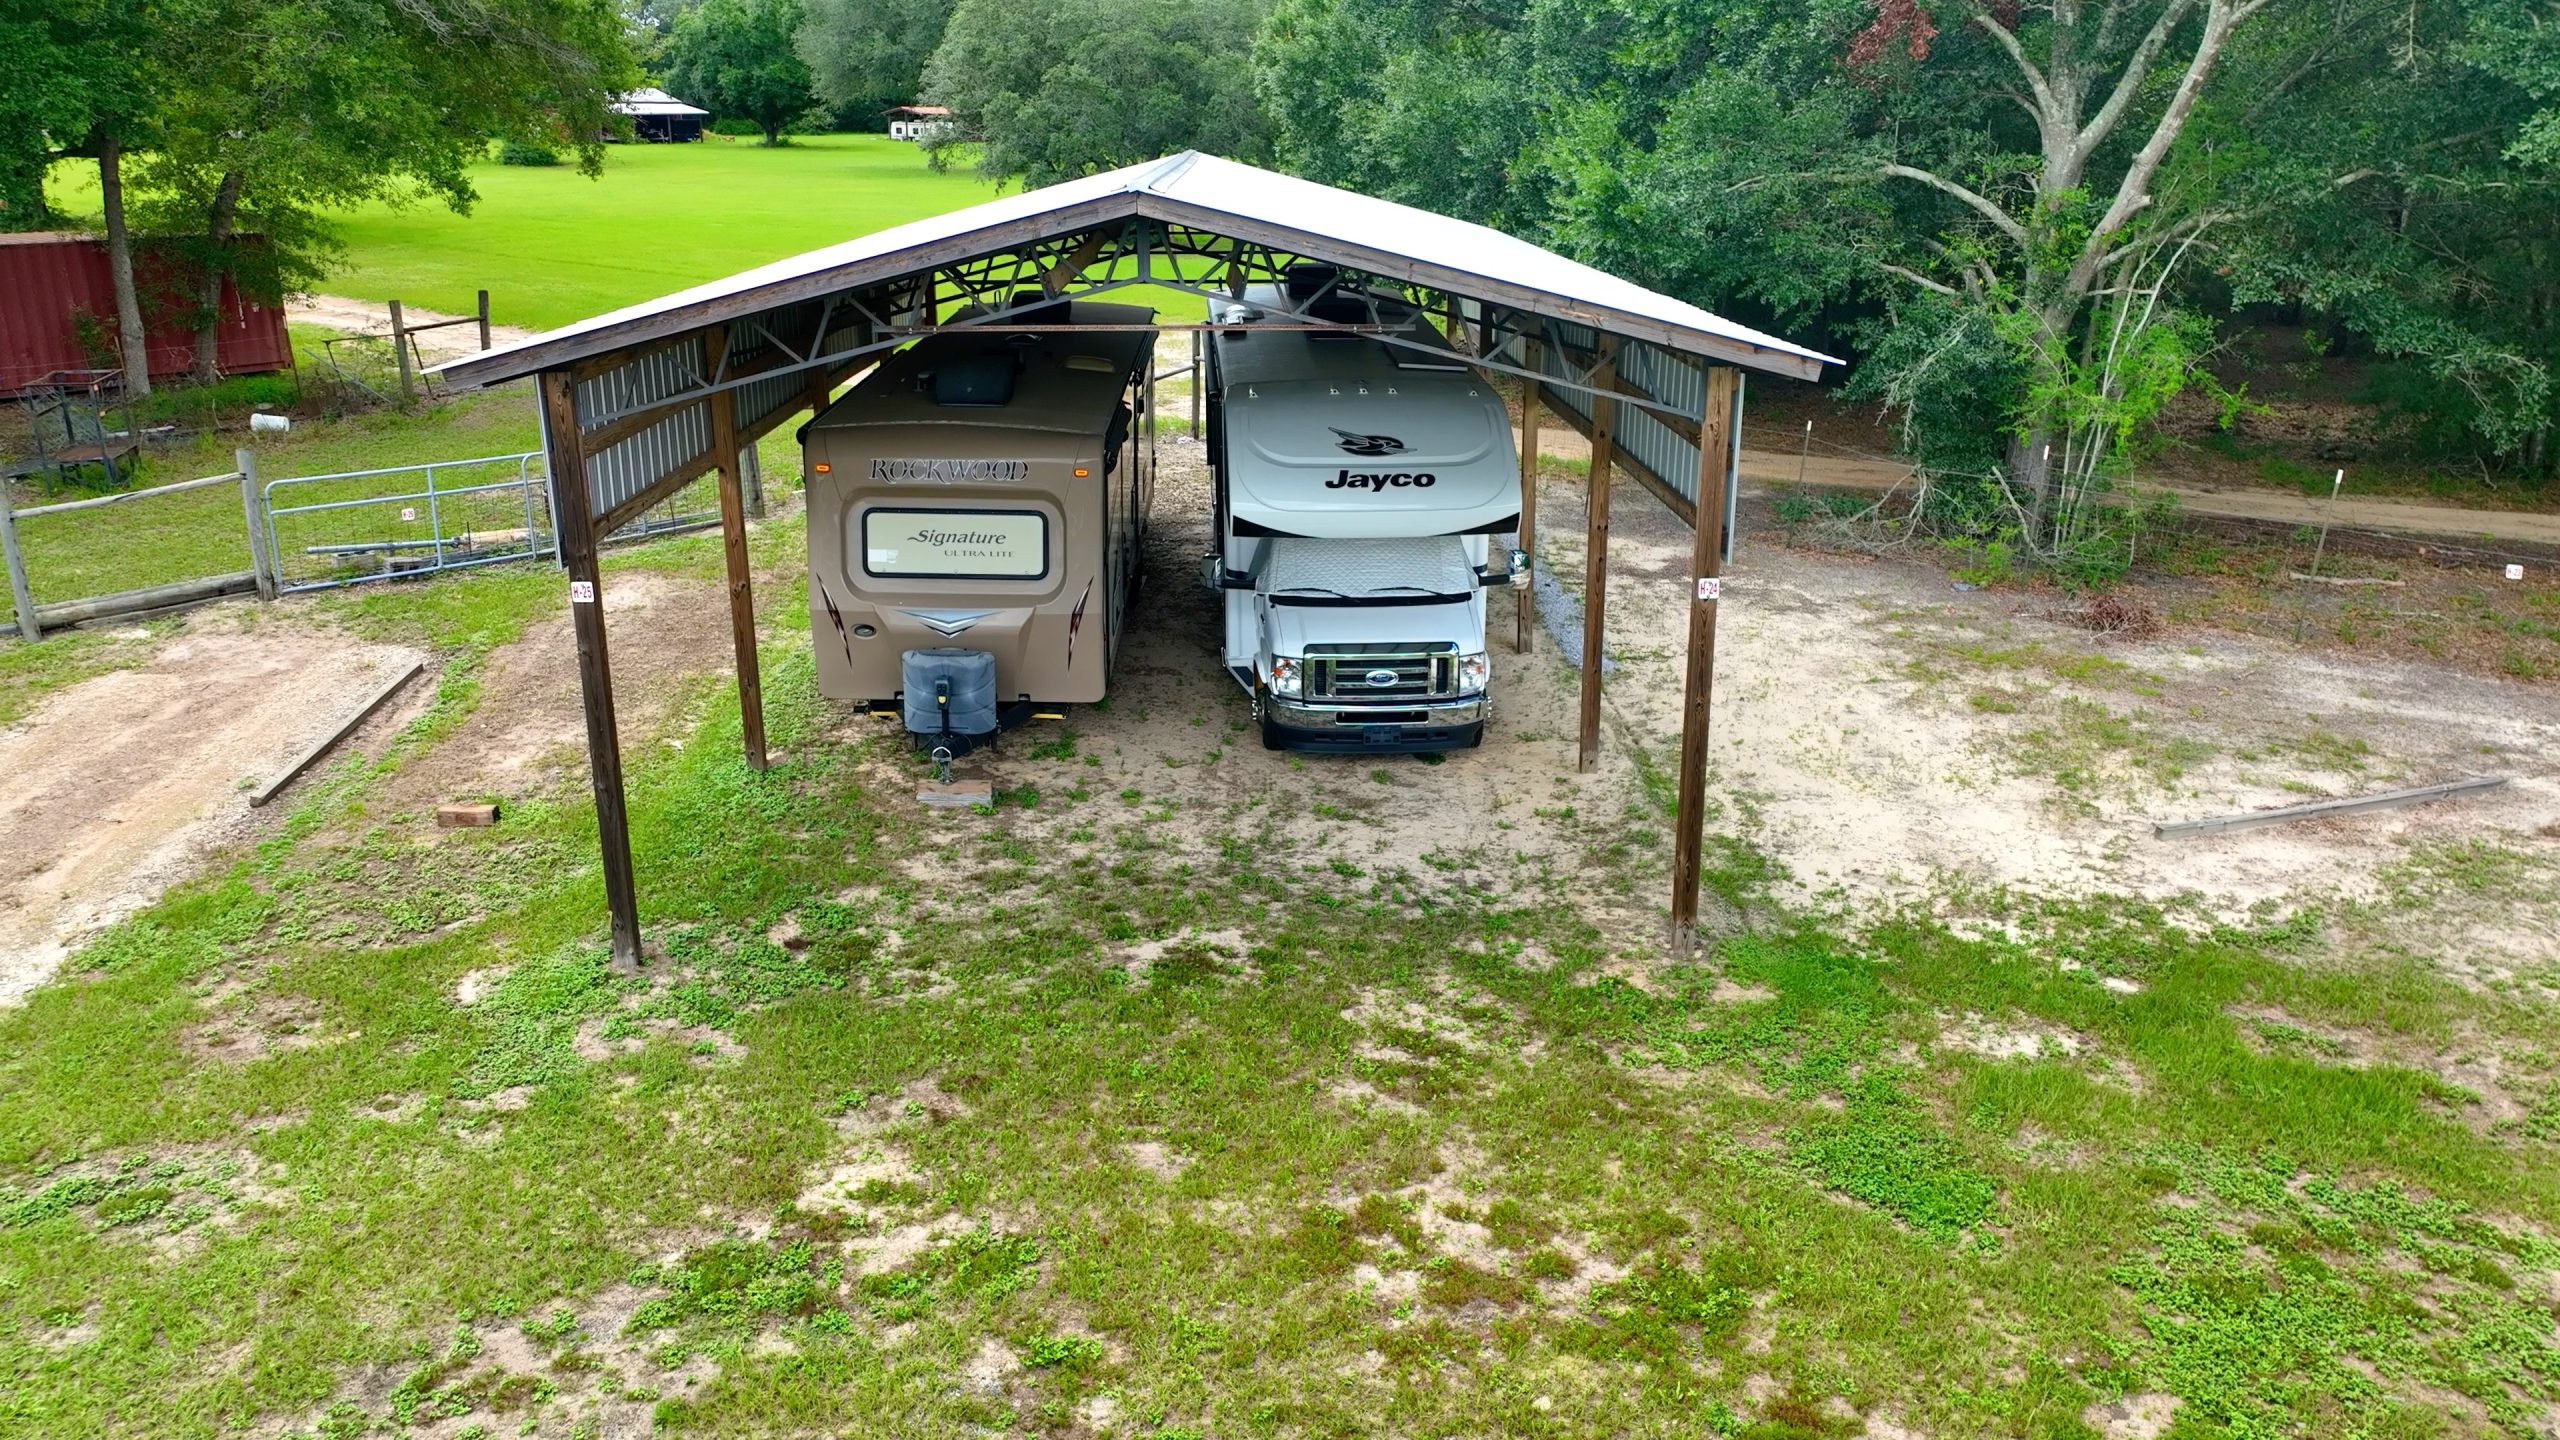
x: 654, y: 101
x: 1209, y: 194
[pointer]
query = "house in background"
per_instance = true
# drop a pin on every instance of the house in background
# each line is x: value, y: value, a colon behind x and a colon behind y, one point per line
x: 920, y: 123
x: 659, y: 116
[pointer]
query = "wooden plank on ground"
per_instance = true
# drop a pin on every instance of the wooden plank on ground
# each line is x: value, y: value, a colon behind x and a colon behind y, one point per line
x: 338, y: 732
x: 467, y: 816
x: 2350, y: 805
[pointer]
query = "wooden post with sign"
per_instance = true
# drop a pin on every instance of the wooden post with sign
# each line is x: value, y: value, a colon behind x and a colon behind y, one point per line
x: 733, y: 537
x: 1595, y: 548
x: 575, y: 506
x: 1531, y: 392
x: 1706, y: 568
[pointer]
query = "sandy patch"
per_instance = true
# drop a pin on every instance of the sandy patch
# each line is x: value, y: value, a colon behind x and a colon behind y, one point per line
x: 840, y: 1189
x: 1995, y: 1041
x: 1157, y: 1159
x: 2136, y: 1417
x: 563, y: 1369
x: 123, y: 783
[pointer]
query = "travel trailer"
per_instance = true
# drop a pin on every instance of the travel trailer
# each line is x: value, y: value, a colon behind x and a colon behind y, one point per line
x: 1358, y: 486
x: 976, y: 506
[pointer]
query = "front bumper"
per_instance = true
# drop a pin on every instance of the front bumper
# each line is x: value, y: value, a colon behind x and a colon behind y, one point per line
x: 1382, y: 729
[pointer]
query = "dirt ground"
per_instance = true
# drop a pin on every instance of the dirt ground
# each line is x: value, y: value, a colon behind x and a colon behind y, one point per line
x: 1847, y: 741
x: 122, y: 784
x: 1880, y: 727
x: 369, y: 317
x: 1883, y: 736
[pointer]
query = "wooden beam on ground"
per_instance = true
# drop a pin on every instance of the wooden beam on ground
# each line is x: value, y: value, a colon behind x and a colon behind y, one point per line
x: 568, y: 465
x: 2352, y: 805
x: 1531, y: 394
x: 1595, y: 552
x: 1697, y: 702
x: 294, y: 769
x: 733, y: 536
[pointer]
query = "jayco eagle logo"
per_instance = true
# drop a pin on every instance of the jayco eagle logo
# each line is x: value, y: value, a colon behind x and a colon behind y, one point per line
x: 1370, y: 446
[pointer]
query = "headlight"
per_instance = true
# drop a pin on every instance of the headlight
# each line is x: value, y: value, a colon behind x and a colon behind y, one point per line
x: 1473, y: 671
x: 1287, y: 675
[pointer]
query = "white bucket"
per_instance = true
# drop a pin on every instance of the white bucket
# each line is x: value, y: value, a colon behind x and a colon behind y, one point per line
x: 260, y: 423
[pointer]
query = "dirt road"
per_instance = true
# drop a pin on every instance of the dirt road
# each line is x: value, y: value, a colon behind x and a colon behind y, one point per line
x: 370, y: 317
x: 2399, y: 517
x: 122, y: 784
x: 2281, y: 507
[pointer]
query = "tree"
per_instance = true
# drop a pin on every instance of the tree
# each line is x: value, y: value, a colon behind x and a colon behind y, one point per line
x: 1418, y: 101
x: 2399, y: 188
x: 81, y: 81
x: 737, y: 57
x: 1056, y: 88
x: 867, y: 55
x: 280, y: 110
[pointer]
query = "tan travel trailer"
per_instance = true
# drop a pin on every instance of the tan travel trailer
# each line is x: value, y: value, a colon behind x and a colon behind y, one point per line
x: 976, y: 506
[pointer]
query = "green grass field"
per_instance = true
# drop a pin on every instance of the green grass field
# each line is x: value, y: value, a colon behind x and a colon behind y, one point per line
x: 869, y: 1147
x: 552, y: 246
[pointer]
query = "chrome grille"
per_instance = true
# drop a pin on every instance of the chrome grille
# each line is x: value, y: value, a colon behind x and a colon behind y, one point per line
x: 1341, y: 672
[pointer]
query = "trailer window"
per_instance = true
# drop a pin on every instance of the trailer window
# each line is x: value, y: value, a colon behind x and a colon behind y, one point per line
x: 917, y: 544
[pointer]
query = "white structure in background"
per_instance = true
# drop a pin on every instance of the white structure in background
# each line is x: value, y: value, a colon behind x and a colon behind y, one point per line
x: 659, y: 116
x: 920, y: 123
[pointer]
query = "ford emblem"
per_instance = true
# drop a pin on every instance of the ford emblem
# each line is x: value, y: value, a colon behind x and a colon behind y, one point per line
x: 1381, y: 679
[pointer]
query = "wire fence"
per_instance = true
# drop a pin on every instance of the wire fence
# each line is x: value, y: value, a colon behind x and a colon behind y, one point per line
x: 128, y: 553
x: 141, y: 552
x: 403, y: 521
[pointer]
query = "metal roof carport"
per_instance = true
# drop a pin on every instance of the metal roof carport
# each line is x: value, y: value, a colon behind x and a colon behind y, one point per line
x: 637, y: 403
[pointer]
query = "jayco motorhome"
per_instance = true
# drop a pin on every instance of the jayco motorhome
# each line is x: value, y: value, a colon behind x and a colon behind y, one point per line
x: 1357, y: 487
x: 976, y: 507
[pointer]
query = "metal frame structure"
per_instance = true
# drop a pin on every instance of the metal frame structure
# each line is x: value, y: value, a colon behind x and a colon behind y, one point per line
x: 640, y: 402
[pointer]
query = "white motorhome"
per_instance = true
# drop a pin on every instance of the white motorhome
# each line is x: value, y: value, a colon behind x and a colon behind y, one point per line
x: 1358, y: 486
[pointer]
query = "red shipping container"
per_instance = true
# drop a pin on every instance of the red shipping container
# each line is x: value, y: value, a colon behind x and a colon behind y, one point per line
x: 48, y: 279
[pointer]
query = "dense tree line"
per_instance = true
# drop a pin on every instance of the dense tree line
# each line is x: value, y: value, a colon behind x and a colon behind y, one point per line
x: 2031, y: 224
x: 2027, y: 221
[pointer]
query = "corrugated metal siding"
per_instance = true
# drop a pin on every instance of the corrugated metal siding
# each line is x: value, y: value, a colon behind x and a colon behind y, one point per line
x: 1663, y: 376
x: 624, y: 469
x: 48, y: 279
x: 681, y: 442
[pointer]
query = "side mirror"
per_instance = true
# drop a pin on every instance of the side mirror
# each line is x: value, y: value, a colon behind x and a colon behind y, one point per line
x: 1519, y: 569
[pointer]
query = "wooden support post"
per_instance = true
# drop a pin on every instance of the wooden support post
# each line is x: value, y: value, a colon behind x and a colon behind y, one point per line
x: 1531, y: 394
x: 21, y: 596
x: 1706, y: 568
x: 576, y: 518
x: 400, y: 350
x: 484, y: 319
x: 253, y: 510
x: 733, y: 536
x: 1595, y: 548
